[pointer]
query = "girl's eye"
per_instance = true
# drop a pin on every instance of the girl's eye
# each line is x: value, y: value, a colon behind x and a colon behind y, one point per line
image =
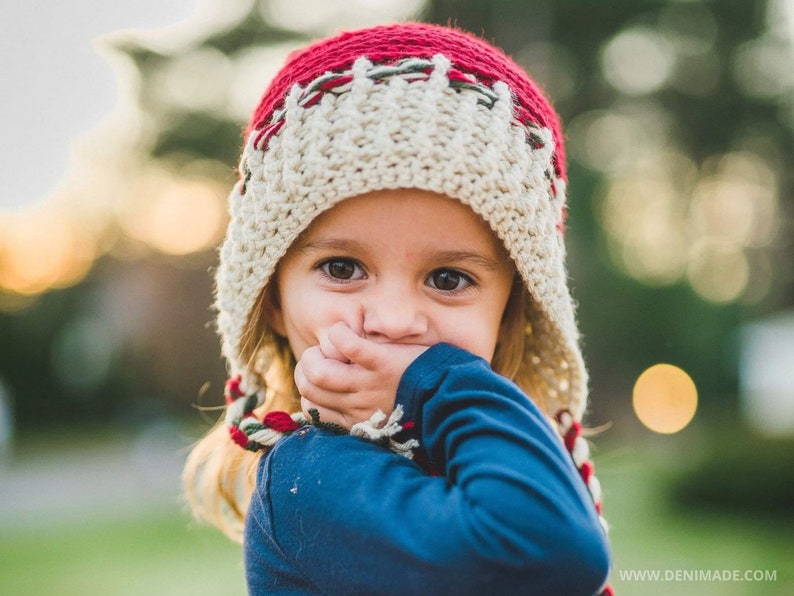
x: 342, y: 269
x: 449, y: 280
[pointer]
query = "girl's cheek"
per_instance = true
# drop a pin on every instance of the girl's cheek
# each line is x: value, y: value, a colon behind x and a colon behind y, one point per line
x: 332, y: 309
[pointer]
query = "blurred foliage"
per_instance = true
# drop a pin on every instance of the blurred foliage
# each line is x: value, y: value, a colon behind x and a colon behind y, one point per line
x: 42, y: 396
x: 117, y: 348
x: 742, y: 473
x: 626, y: 324
x: 200, y: 135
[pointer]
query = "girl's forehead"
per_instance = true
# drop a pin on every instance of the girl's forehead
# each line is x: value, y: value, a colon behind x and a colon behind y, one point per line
x: 407, y: 213
x: 397, y: 206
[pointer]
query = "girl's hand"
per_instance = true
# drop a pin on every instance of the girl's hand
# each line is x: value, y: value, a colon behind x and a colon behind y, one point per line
x: 348, y: 378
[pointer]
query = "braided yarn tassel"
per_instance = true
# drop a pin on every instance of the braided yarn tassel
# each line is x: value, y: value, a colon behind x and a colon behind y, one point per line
x: 576, y: 444
x: 380, y: 428
x: 244, y: 428
x: 571, y: 431
x: 255, y: 435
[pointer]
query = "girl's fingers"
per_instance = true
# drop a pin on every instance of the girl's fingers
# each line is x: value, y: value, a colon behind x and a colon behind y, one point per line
x: 315, y: 372
x: 305, y: 389
x: 353, y: 347
x: 347, y: 377
x: 329, y: 350
x: 372, y: 355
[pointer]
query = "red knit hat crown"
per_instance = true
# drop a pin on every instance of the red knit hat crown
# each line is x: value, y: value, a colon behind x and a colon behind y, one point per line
x: 389, y: 43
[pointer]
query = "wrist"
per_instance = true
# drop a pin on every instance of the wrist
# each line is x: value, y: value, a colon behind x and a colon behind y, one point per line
x: 418, y: 385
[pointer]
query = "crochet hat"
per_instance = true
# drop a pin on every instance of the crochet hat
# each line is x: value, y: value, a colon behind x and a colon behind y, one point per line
x: 407, y: 106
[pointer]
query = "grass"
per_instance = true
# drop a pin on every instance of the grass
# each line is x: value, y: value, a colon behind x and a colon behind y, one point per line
x: 160, y: 554
x: 163, y: 553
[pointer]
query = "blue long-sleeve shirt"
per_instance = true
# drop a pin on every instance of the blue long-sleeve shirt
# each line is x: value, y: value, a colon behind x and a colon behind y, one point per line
x: 508, y: 514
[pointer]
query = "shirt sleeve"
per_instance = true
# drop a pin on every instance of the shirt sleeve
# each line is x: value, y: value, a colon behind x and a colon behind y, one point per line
x: 508, y: 513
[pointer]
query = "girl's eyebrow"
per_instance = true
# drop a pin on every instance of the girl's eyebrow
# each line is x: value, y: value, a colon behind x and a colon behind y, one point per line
x: 474, y: 258
x: 328, y: 244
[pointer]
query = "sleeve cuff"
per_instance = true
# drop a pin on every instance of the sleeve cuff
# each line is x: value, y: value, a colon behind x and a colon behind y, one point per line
x: 419, y: 382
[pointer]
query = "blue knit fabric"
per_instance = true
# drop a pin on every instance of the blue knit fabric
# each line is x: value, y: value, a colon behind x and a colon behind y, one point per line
x: 507, y: 514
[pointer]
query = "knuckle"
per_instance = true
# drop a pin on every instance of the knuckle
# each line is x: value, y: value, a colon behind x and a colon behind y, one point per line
x: 302, y: 383
x: 304, y: 388
x: 321, y: 377
x: 353, y: 347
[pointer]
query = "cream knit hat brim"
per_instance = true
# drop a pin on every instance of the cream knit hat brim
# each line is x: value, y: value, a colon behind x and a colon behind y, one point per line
x: 414, y: 124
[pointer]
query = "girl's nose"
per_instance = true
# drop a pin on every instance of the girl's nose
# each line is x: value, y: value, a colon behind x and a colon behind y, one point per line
x: 393, y: 315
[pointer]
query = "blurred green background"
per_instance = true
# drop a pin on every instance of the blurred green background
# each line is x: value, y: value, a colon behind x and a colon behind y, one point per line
x: 679, y: 118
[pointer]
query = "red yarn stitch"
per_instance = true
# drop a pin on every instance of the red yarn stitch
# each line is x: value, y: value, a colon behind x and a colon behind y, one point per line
x: 586, y: 470
x: 563, y: 214
x: 266, y: 134
x: 280, y: 421
x: 232, y: 389
x: 387, y: 43
x: 334, y: 83
x: 238, y: 436
x: 453, y: 74
x: 314, y: 100
x: 572, y: 434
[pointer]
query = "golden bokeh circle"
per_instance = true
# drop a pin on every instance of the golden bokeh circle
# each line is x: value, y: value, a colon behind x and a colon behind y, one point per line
x: 665, y: 398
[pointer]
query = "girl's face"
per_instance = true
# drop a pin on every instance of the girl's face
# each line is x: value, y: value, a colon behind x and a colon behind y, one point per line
x: 402, y: 266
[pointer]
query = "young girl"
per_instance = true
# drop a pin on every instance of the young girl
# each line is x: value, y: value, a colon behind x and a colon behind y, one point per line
x: 393, y: 307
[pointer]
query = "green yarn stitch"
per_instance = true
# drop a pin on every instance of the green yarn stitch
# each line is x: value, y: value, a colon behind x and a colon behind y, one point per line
x: 315, y: 421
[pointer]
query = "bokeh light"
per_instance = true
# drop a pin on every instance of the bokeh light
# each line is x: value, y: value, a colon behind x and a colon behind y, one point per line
x: 763, y: 67
x: 670, y: 217
x: 41, y: 249
x: 645, y: 215
x: 197, y: 80
x: 553, y: 66
x: 175, y: 215
x: 718, y: 270
x: 668, y: 220
x: 766, y: 374
x: 689, y: 26
x: 665, y: 398
x: 638, y: 61
x: 619, y: 139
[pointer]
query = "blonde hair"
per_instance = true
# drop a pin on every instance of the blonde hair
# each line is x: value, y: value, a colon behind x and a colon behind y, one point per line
x: 219, y: 476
